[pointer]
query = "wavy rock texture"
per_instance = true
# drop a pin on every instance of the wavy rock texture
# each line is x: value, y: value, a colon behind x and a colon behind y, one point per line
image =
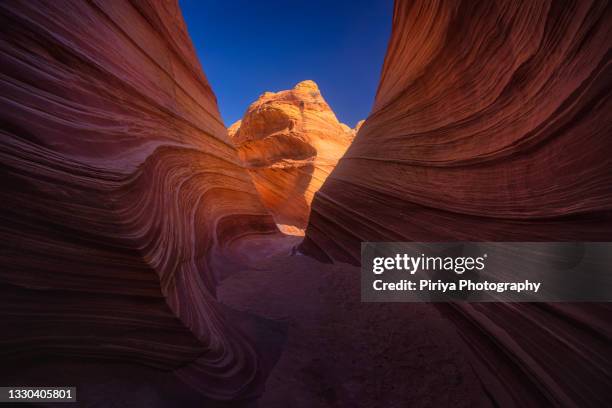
x: 124, y: 208
x: 492, y: 122
x: 290, y: 141
x: 120, y: 191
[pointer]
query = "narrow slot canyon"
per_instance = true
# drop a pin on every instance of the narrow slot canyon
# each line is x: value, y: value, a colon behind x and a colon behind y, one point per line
x: 153, y: 255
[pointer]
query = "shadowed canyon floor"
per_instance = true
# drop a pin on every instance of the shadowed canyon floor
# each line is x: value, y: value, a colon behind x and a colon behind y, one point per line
x: 341, y: 352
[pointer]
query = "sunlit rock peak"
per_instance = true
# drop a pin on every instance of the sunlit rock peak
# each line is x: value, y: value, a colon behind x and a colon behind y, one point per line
x: 290, y: 141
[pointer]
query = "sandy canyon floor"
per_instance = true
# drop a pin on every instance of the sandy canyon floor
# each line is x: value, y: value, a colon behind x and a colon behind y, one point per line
x: 339, y: 351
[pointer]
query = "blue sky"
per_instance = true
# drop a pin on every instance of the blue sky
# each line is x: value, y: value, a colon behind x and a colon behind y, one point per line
x: 249, y: 47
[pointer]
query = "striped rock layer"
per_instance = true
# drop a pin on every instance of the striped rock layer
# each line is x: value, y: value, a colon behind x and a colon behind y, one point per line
x: 492, y: 122
x: 120, y: 189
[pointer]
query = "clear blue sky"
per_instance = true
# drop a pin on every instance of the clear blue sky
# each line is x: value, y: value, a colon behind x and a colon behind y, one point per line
x: 249, y: 47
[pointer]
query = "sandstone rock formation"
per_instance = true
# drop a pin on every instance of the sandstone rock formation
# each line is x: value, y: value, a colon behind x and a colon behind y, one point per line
x: 114, y: 159
x: 139, y: 263
x: 290, y: 141
x: 492, y: 122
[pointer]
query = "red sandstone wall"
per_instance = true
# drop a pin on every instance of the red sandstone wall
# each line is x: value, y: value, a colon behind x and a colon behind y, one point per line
x: 492, y: 122
x: 119, y: 187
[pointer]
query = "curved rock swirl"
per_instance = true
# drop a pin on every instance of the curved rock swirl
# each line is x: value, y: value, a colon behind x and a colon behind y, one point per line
x: 120, y: 188
x: 492, y: 122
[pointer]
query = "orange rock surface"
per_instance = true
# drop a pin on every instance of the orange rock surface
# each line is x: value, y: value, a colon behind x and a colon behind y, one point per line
x: 290, y: 141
